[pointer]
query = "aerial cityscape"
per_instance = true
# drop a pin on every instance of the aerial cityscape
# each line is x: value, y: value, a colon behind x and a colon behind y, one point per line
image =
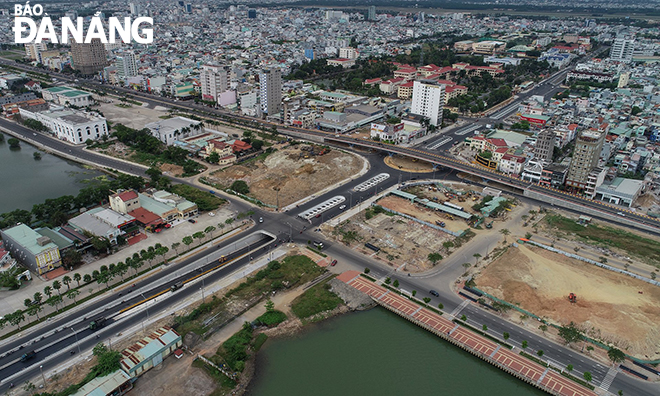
x: 320, y: 197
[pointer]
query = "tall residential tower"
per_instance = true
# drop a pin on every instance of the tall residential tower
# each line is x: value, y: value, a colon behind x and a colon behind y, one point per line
x: 270, y: 83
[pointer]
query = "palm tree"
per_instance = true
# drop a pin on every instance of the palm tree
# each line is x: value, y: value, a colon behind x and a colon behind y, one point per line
x: 27, y: 302
x: 505, y: 232
x: 34, y: 310
x: 221, y: 226
x: 87, y: 278
x: 16, y: 318
x: 67, y: 280
x: 476, y: 256
x: 57, y: 285
x: 77, y: 278
x: 55, y: 302
x: 175, y: 246
x: 72, y: 294
x: 48, y: 291
x: 37, y: 297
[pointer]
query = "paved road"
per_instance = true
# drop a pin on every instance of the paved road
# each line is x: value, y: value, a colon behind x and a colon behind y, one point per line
x: 284, y: 223
x: 63, y: 333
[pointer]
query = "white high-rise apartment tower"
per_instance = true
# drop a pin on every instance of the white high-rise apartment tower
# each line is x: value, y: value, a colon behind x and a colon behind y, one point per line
x: 622, y: 49
x: 428, y: 100
x: 215, y: 80
x: 126, y: 64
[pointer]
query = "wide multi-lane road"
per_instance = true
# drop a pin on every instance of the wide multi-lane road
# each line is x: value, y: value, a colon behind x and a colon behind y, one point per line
x: 285, y: 224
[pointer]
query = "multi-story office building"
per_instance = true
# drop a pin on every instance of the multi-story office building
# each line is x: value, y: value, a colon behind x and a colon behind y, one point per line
x: 428, y: 100
x: 348, y: 53
x: 215, y: 80
x: 126, y: 65
x: 622, y: 49
x: 588, y: 146
x: 270, y: 87
x: 89, y: 58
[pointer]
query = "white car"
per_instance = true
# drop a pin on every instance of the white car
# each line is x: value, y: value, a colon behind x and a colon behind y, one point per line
x: 211, y: 214
x: 342, y: 207
x: 621, y: 214
x: 261, y: 219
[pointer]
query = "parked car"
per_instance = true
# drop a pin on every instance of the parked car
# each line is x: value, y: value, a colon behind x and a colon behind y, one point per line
x: 333, y: 263
x: 434, y: 293
x: 192, y: 221
x: 342, y: 207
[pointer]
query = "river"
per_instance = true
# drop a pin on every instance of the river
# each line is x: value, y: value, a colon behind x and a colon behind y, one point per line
x: 375, y: 353
x: 26, y: 181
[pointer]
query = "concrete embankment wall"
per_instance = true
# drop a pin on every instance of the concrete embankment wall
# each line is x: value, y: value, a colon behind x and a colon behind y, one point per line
x: 466, y: 348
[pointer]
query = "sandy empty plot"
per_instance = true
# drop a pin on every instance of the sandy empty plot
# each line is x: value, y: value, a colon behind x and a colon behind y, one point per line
x: 609, y: 305
x: 296, y: 177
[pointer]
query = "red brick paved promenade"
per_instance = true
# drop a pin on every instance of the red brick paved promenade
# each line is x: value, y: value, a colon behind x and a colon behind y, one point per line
x: 508, y: 360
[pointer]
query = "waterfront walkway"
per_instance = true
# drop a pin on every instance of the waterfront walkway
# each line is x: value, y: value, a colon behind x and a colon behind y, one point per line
x: 506, y: 359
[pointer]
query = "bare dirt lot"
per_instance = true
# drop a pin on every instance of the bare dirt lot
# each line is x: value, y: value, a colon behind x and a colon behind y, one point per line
x: 407, y: 164
x: 404, y: 206
x: 395, y: 234
x: 610, y: 306
x: 296, y: 177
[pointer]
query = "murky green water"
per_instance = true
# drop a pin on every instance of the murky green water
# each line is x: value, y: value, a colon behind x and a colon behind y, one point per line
x: 26, y: 181
x: 375, y: 353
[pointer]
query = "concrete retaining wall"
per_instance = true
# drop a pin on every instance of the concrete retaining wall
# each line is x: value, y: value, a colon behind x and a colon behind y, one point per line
x: 466, y: 348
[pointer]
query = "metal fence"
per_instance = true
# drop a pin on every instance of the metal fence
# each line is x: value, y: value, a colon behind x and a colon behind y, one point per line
x: 596, y: 263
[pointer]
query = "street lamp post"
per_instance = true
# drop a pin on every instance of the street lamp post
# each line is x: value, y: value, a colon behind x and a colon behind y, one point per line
x: 41, y: 368
x: 350, y: 204
x: 76, y: 335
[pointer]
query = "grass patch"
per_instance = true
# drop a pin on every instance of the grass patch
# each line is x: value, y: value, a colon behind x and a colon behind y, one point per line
x: 608, y: 236
x: 288, y: 273
x: 235, y: 350
x: 222, y: 380
x: 259, y: 341
x: 315, y: 300
x: 534, y: 359
x: 205, y: 200
x: 368, y: 277
x: 272, y: 318
x: 317, y: 251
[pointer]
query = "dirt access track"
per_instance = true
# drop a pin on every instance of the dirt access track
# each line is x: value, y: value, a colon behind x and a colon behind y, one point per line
x: 609, y: 306
x: 287, y: 169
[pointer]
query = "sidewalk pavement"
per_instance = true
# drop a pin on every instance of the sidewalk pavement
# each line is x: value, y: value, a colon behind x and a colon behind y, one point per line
x: 13, y: 300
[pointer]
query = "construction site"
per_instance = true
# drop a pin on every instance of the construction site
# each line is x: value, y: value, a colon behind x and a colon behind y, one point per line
x: 419, y: 220
x: 607, y: 306
x: 290, y: 174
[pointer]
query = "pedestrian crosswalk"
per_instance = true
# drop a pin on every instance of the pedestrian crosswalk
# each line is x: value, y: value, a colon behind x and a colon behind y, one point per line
x: 458, y: 309
x: 609, y: 377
